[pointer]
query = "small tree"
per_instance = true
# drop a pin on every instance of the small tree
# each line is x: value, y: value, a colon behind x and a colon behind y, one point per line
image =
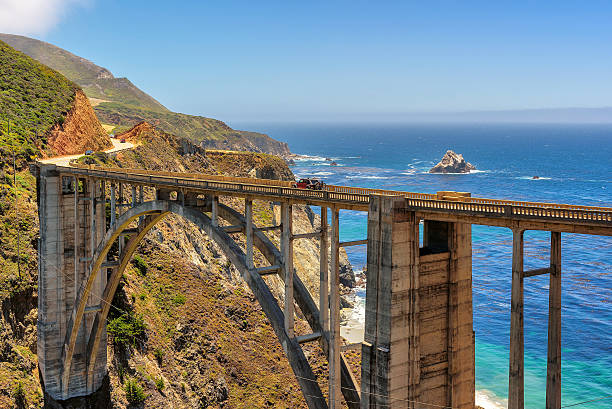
x: 134, y: 392
x: 20, y: 397
x: 127, y: 329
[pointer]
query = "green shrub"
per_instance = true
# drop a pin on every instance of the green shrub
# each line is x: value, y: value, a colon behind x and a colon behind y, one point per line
x: 127, y: 329
x: 140, y: 264
x: 159, y: 355
x: 159, y: 383
x: 134, y: 392
x: 20, y: 397
x: 179, y: 299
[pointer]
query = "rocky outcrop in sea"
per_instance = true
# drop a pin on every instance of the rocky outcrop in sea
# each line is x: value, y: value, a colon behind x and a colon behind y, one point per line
x: 452, y: 163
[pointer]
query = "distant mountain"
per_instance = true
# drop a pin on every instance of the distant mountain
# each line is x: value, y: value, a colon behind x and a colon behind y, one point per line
x: 120, y: 105
x: 97, y: 82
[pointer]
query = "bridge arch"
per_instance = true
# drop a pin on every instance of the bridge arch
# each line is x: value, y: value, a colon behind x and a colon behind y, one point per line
x: 153, y: 212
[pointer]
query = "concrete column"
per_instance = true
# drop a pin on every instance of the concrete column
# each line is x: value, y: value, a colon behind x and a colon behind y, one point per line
x: 287, y: 256
x: 335, y: 369
x: 77, y: 239
x: 120, y: 197
x: 121, y: 211
x: 248, y: 215
x: 391, y: 351
x: 215, y: 210
x: 553, y: 375
x: 516, y: 386
x: 113, y: 205
x: 92, y: 215
x: 460, y: 331
x: 324, y: 273
x: 419, y: 341
x: 133, y: 196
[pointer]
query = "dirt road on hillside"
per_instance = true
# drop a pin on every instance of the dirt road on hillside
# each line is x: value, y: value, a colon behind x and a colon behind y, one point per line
x: 65, y: 160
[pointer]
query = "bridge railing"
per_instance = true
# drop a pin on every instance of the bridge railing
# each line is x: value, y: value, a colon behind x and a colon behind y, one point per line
x: 343, y: 194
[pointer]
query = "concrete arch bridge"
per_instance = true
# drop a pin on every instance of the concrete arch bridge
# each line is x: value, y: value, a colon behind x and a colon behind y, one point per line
x: 419, y: 340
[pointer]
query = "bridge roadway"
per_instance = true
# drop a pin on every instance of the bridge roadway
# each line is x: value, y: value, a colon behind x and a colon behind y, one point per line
x: 443, y: 206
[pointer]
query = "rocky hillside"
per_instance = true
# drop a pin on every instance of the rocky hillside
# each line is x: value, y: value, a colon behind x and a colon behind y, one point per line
x: 97, y: 82
x: 207, y: 132
x: 206, y: 343
x: 120, y: 105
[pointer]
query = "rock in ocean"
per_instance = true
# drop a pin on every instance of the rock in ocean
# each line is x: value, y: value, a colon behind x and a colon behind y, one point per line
x: 452, y: 163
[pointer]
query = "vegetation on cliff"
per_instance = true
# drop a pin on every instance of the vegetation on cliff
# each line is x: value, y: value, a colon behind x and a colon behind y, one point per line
x: 33, y: 98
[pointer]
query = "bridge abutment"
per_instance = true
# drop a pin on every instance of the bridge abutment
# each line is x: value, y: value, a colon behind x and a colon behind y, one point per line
x: 419, y: 339
x: 71, y: 212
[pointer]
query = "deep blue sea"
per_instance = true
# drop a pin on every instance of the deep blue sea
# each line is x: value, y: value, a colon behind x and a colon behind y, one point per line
x: 574, y: 165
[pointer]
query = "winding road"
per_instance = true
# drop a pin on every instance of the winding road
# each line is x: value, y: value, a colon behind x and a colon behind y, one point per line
x: 65, y: 160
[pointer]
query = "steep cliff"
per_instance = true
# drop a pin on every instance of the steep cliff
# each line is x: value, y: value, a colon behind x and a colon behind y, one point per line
x: 79, y: 131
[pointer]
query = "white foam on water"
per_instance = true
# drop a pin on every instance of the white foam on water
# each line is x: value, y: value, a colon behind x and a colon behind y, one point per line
x: 531, y: 178
x: 309, y: 158
x: 488, y: 400
x: 322, y: 173
x: 368, y: 177
x: 471, y: 172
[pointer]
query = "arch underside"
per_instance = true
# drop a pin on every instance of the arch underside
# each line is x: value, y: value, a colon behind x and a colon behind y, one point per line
x: 150, y: 213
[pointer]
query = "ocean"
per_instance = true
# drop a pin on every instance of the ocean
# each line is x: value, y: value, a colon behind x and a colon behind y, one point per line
x: 574, y: 165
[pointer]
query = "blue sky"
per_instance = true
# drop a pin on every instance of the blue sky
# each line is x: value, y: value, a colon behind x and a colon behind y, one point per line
x: 244, y: 60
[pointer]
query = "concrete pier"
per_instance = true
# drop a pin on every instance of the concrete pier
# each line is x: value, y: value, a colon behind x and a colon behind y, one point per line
x: 419, y: 341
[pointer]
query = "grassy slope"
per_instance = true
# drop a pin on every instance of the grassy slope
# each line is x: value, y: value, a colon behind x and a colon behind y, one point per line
x: 97, y: 82
x: 33, y: 98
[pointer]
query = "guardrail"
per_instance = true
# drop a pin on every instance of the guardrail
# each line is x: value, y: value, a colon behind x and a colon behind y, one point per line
x: 460, y: 204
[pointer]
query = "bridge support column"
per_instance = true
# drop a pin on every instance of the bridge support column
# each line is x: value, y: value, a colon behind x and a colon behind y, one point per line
x: 335, y: 370
x: 113, y: 205
x: 516, y: 381
x: 553, y: 377
x: 71, y: 224
x: 419, y: 341
x: 287, y: 256
x: 324, y: 273
x: 248, y: 215
x: 215, y: 210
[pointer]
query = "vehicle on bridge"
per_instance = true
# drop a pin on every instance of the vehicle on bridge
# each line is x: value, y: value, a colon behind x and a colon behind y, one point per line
x: 307, y: 183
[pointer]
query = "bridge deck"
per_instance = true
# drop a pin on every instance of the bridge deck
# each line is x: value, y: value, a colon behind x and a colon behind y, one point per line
x: 492, y: 212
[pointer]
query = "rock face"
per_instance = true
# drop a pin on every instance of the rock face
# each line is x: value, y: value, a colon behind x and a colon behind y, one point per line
x: 79, y: 131
x: 452, y: 163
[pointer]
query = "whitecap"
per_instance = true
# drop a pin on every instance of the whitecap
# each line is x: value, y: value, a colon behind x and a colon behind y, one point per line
x: 322, y: 173
x: 368, y: 177
x: 309, y: 158
x: 488, y: 400
x: 532, y: 178
x: 471, y: 172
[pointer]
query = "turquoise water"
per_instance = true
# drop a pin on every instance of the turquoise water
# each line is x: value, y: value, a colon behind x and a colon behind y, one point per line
x: 574, y: 163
